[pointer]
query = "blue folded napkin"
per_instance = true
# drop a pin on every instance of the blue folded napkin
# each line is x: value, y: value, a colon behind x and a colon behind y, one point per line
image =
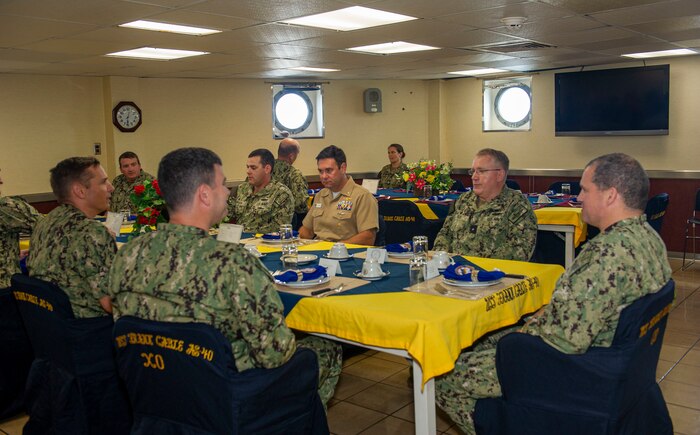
x: 307, y: 274
x: 437, y: 198
x: 399, y: 247
x: 460, y: 272
x: 276, y: 236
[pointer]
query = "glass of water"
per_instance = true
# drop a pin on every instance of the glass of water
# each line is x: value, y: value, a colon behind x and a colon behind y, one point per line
x: 418, y: 267
x: 290, y: 252
x: 566, y: 189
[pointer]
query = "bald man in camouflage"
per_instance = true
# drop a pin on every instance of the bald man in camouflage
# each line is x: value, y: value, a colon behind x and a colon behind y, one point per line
x: 181, y: 274
x: 626, y: 261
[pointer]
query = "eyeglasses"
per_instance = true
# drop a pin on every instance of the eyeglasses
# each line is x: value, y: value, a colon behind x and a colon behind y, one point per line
x: 479, y: 171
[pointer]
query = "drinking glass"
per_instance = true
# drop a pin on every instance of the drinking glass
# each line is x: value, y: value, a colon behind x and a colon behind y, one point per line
x: 418, y: 266
x: 290, y: 252
x: 566, y: 189
x: 427, y: 191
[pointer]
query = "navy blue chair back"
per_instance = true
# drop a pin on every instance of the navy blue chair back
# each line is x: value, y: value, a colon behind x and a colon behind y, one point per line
x: 513, y: 184
x: 556, y: 187
x: 182, y: 378
x: 72, y: 385
x: 457, y: 185
x: 656, y: 209
x: 603, y: 391
x: 404, y: 220
x: 17, y: 356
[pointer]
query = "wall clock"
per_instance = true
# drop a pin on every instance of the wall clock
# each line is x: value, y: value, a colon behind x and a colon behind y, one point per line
x: 126, y: 116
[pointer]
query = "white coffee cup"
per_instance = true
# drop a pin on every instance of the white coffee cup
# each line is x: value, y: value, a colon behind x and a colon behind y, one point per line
x: 442, y: 258
x: 338, y: 250
x: 372, y: 269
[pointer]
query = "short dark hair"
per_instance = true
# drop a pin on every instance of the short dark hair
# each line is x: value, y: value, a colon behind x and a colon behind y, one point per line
x: 332, y: 152
x: 181, y: 172
x: 266, y: 157
x: 287, y: 147
x: 399, y: 149
x: 68, y: 171
x: 128, y: 155
x: 499, y: 156
x: 625, y: 174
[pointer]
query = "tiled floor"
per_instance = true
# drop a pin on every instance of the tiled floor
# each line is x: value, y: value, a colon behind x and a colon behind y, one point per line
x: 373, y: 397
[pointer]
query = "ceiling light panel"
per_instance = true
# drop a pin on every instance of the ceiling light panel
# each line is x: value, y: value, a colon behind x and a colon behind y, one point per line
x: 352, y: 18
x: 478, y: 72
x: 171, y: 28
x: 392, y: 48
x: 152, y: 53
x: 662, y: 53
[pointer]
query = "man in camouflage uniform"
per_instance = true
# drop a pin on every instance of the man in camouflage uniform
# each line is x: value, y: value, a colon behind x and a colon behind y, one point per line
x: 71, y: 249
x: 131, y: 175
x: 491, y: 220
x: 261, y: 205
x: 626, y: 261
x: 283, y: 172
x: 16, y: 216
x: 181, y: 274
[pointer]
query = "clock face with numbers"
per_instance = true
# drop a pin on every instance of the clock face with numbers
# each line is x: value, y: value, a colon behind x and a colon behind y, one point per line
x: 126, y: 116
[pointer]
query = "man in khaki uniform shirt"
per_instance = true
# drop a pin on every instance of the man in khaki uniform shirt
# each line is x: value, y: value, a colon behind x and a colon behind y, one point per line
x: 342, y: 211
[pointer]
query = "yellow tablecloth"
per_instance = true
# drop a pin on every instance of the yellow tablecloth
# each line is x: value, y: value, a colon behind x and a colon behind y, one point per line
x: 433, y: 329
x: 564, y: 216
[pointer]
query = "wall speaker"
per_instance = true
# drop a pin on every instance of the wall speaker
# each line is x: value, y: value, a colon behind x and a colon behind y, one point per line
x: 373, y: 100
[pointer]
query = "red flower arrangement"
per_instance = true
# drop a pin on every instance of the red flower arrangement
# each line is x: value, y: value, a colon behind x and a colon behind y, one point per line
x: 149, y: 203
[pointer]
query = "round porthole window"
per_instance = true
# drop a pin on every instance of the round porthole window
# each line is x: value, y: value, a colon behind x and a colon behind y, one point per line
x: 513, y: 105
x: 293, y: 111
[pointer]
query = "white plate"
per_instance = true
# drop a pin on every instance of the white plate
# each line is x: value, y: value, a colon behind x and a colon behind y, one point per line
x: 358, y: 273
x: 470, y: 283
x: 305, y: 284
x: 338, y: 258
x: 306, y: 258
x: 277, y: 241
x: 408, y: 254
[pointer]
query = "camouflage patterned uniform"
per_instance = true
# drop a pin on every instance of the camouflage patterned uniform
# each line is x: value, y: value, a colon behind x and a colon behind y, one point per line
x: 180, y: 274
x: 75, y: 253
x: 505, y: 227
x: 265, y: 211
x: 388, y: 178
x: 121, y: 197
x: 16, y: 216
x: 620, y: 265
x: 291, y: 177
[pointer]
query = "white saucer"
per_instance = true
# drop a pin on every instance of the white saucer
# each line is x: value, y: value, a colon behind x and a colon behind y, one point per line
x: 306, y: 259
x: 305, y: 284
x: 470, y: 283
x: 338, y: 258
x: 358, y: 273
x: 408, y: 254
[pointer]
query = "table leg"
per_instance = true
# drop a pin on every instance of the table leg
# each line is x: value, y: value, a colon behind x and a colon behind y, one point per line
x: 569, y: 249
x: 423, y: 402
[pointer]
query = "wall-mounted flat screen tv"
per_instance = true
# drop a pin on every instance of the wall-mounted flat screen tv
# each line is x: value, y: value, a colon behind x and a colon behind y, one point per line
x: 618, y: 102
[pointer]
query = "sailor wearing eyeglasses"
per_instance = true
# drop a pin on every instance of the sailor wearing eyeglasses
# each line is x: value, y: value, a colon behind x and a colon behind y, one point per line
x: 491, y: 220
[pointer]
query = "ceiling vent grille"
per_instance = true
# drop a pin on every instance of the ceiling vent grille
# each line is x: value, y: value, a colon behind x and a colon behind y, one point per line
x: 512, y: 47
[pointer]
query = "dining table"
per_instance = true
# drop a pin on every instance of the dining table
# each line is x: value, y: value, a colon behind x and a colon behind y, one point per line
x: 428, y: 323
